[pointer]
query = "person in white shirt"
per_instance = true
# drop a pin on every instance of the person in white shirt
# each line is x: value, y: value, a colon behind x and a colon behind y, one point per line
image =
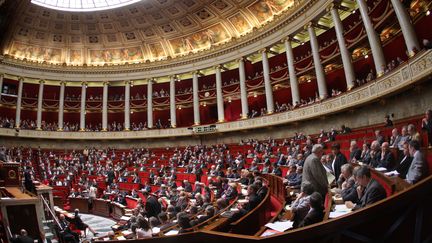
x: 143, y: 229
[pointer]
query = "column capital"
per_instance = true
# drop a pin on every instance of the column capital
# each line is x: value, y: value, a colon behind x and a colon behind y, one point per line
x: 263, y: 50
x: 240, y: 59
x: 63, y: 83
x: 172, y: 77
x: 2, y: 75
x: 331, y: 6
x: 309, y: 25
x: 41, y: 81
x: 106, y: 83
x: 195, y: 72
x: 21, y: 79
x: 219, y: 66
x: 84, y: 83
x: 286, y: 39
x: 127, y: 82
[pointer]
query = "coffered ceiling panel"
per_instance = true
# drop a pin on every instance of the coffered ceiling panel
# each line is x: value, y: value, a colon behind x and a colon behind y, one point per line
x: 145, y: 31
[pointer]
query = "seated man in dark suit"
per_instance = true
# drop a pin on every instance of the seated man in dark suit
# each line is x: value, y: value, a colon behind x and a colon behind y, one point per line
x: 348, y: 185
x: 276, y: 170
x: 387, y: 160
x: 316, y: 213
x: 369, y: 190
x: 164, y: 223
x: 405, y: 162
x: 209, y: 212
x: 375, y: 154
x: 66, y: 234
x: 355, y: 152
x: 261, y: 189
x: 23, y: 238
x: 244, y: 208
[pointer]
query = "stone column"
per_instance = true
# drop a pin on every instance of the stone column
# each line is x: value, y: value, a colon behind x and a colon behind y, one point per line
x: 19, y: 101
x: 83, y: 106
x: 219, y: 95
x: 243, y: 89
x: 61, y: 106
x: 267, y: 82
x: 345, y: 54
x: 150, y: 103
x: 196, y: 106
x: 319, y: 70
x: 1, y: 83
x: 295, y: 92
x: 127, y: 111
x: 407, y: 28
x: 39, y: 105
x: 105, y: 107
x: 374, y: 40
x: 173, y: 115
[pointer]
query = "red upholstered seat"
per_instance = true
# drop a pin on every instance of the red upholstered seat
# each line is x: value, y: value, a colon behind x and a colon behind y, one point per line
x: 131, y: 203
x: 429, y: 161
x: 275, y: 206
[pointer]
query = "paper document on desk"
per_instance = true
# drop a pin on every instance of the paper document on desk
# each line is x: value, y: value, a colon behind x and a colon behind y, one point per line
x: 172, y: 232
x: 392, y: 173
x: 280, y: 226
x: 126, y: 232
x: 242, y: 201
x: 381, y: 169
x: 156, y: 230
x: 121, y: 237
x: 270, y: 232
x: 330, y: 177
x: 340, y: 210
x: 124, y: 218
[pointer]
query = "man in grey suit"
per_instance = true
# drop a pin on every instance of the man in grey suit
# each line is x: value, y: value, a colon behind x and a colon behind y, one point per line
x: 418, y: 167
x: 369, y: 190
x: 314, y: 172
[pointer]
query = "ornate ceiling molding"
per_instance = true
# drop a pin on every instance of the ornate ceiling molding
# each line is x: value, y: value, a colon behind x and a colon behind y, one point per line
x: 270, y: 34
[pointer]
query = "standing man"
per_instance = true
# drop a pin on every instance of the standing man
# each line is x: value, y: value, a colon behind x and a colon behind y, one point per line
x: 427, y: 126
x: 338, y: 161
x: 314, y: 172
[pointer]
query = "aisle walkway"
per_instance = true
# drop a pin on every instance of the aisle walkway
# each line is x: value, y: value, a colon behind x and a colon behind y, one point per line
x: 99, y: 224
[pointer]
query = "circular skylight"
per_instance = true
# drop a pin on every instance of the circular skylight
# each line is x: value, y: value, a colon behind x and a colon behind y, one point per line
x: 83, y: 5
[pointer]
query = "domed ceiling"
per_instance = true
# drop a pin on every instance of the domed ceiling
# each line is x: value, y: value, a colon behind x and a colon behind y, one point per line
x: 145, y: 31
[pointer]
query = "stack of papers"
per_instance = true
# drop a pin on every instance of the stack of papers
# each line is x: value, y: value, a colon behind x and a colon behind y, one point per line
x: 392, y: 173
x: 172, y: 232
x: 381, y: 169
x: 126, y: 232
x: 340, y: 210
x: 269, y: 232
x: 156, y: 230
x: 125, y: 218
x: 242, y: 201
x: 280, y: 226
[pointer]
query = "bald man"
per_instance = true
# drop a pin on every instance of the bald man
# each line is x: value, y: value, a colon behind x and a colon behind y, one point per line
x: 386, y: 160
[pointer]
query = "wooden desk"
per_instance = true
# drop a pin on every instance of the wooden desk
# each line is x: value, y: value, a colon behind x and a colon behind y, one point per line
x: 118, y: 210
x: 101, y: 207
x: 79, y: 203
